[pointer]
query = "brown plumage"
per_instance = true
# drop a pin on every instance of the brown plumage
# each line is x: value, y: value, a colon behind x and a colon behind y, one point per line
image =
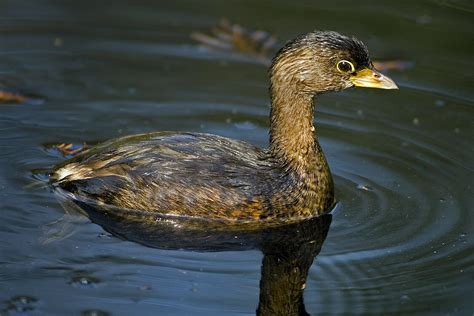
x: 208, y: 176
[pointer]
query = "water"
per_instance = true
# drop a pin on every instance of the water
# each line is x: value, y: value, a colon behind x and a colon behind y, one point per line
x: 401, y: 237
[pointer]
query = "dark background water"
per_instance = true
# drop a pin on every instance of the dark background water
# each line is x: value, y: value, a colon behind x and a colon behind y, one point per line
x: 401, y: 237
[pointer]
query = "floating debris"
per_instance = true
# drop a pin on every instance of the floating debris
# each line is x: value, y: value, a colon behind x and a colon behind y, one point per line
x: 261, y: 44
x: 17, y: 97
x: 233, y: 37
x: 84, y: 281
x: 11, y: 97
x: 68, y: 149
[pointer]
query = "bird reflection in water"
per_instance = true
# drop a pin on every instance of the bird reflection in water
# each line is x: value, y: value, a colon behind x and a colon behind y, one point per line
x: 288, y: 249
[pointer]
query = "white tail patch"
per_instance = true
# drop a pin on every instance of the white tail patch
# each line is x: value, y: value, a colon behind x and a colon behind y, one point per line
x: 73, y: 172
x: 100, y: 168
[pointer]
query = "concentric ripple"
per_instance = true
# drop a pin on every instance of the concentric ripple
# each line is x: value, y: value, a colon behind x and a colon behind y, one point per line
x: 404, y: 212
x: 400, y: 241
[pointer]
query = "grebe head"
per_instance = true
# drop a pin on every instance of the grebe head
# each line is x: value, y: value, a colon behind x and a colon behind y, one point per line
x: 324, y: 61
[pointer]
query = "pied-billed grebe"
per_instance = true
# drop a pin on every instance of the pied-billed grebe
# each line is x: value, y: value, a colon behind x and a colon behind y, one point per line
x: 208, y: 176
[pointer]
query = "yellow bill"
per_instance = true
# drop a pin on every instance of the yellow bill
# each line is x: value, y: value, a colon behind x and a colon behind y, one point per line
x: 371, y: 78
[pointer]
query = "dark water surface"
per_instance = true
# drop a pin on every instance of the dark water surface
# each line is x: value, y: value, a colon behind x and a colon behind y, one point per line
x: 401, y: 237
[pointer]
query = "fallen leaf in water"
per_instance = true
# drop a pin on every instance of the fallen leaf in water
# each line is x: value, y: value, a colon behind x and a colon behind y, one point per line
x: 233, y: 37
x: 68, y: 149
x: 11, y: 97
x: 260, y: 44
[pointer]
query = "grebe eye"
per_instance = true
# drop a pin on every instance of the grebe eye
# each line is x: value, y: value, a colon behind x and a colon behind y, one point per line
x: 345, y: 66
